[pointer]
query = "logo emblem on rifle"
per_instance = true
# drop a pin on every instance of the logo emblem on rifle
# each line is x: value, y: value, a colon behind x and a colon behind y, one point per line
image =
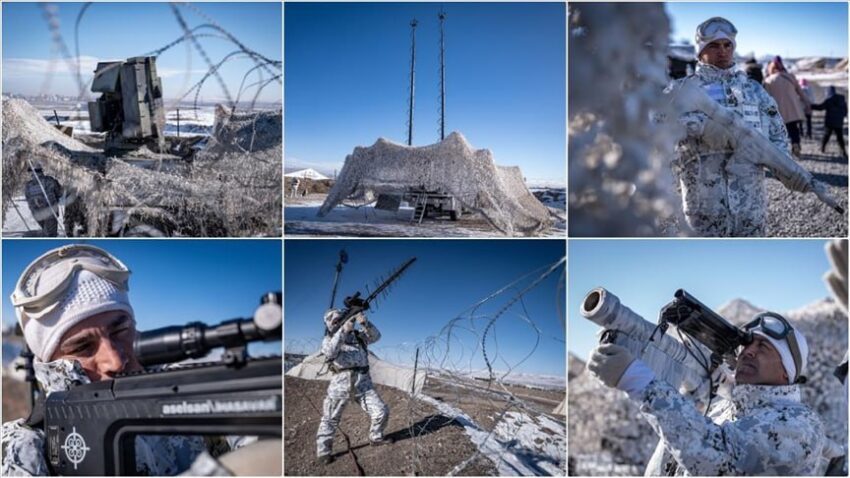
x: 75, y: 447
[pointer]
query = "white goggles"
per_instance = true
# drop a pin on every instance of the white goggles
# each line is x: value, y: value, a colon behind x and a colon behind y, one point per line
x: 709, y: 29
x: 46, y: 280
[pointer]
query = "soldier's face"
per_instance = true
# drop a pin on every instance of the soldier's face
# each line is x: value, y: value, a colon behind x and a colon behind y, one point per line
x: 760, y: 364
x: 103, y: 344
x: 718, y: 53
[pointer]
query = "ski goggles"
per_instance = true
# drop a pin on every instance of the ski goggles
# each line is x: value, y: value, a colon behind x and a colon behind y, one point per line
x: 713, y: 27
x: 777, y: 327
x: 47, y: 279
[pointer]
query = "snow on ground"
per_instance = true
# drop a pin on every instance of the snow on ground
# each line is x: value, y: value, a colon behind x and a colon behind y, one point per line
x: 301, y: 218
x: 192, y: 123
x: 545, y: 382
x: 20, y: 223
x: 530, y: 380
x: 519, y: 445
x: 601, y: 465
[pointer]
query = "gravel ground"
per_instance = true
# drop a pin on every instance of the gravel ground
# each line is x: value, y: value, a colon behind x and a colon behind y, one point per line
x: 803, y: 215
x: 441, y: 445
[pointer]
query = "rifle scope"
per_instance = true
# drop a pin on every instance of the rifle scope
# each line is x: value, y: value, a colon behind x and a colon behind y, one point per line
x: 195, y: 339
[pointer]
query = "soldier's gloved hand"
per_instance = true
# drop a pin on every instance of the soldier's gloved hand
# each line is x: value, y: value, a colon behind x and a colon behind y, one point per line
x: 361, y: 318
x: 616, y: 367
x: 716, y: 136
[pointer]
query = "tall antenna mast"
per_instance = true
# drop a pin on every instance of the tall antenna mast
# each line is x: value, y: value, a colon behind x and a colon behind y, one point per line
x: 442, y: 16
x: 413, y: 24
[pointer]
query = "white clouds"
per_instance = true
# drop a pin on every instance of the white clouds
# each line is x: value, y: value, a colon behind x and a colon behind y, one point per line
x: 30, y: 67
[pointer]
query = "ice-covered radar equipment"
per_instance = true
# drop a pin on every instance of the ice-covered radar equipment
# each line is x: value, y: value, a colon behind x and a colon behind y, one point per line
x: 129, y: 109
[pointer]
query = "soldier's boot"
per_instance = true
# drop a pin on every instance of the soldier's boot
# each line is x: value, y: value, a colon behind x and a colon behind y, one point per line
x: 382, y: 441
x: 796, y: 150
x: 325, y: 460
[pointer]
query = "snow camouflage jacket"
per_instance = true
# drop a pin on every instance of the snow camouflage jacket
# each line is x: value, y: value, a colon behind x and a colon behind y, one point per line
x: 724, y: 195
x: 24, y: 448
x: 762, y: 430
x: 348, y: 350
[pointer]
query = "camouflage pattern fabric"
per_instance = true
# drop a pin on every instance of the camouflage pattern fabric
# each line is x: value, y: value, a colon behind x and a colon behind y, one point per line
x: 347, y: 351
x: 724, y: 195
x: 762, y: 430
x: 44, y: 209
x: 24, y: 448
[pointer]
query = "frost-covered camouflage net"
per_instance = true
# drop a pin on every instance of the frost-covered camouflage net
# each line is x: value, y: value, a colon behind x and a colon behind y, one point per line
x: 620, y: 181
x: 451, y: 166
x: 233, y: 188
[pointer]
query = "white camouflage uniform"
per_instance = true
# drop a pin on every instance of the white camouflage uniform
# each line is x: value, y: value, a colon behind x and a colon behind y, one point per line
x: 724, y: 195
x: 348, y: 356
x: 762, y: 430
x: 24, y: 448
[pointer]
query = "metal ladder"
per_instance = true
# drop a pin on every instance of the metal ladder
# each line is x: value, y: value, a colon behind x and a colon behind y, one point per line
x: 421, y: 207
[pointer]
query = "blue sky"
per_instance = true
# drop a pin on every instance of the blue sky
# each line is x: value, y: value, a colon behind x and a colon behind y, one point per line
x: 447, y: 278
x: 110, y: 31
x: 773, y: 274
x: 175, y: 281
x: 786, y: 29
x: 347, y: 78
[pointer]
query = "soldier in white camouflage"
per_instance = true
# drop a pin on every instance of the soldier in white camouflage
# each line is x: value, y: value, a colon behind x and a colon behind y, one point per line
x: 347, y: 356
x: 724, y: 195
x: 75, y: 313
x: 757, y: 426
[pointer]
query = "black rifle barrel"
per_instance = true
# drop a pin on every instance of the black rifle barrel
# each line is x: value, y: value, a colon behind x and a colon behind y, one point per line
x: 196, y: 339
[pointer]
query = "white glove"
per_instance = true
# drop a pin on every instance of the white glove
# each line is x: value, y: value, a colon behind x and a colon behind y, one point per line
x: 616, y: 367
x: 716, y: 136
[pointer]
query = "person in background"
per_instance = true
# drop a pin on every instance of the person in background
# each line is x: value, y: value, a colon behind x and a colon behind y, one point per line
x: 835, y: 106
x: 807, y: 90
x: 783, y: 87
x: 753, y: 71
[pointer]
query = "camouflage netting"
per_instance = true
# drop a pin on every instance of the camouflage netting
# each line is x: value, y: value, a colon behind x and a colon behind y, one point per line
x: 452, y: 166
x: 232, y: 188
